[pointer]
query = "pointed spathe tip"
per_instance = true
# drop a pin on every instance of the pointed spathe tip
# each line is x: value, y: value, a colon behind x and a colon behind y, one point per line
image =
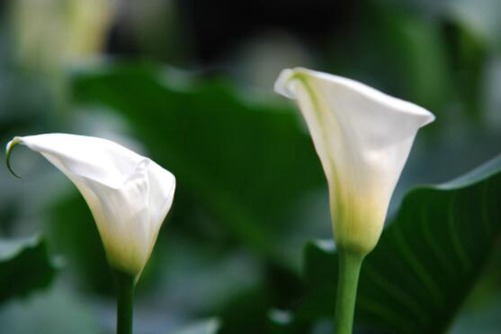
x: 282, y: 84
x: 8, y: 152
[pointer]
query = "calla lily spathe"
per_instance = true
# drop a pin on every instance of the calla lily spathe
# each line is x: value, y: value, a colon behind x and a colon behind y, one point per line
x: 129, y: 195
x: 363, y: 138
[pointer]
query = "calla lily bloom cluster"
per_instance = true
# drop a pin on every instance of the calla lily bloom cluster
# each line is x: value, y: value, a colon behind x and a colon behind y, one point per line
x: 129, y: 195
x: 363, y: 138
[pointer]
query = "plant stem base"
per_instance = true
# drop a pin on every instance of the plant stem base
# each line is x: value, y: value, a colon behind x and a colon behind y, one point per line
x: 349, y: 271
x: 124, y: 289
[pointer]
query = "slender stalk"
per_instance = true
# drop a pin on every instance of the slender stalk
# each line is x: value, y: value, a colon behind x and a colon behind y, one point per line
x: 349, y: 271
x: 124, y: 290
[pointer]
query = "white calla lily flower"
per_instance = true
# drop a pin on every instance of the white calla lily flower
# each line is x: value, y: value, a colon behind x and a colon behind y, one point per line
x: 129, y: 195
x: 363, y: 138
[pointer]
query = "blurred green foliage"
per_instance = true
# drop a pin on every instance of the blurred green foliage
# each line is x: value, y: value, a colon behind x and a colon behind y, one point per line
x: 251, y: 192
x: 25, y: 266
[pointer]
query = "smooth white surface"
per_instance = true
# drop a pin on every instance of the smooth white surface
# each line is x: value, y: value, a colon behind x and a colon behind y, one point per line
x: 363, y: 138
x: 129, y: 195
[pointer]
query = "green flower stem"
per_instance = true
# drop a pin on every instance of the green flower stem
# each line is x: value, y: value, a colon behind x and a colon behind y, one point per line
x: 349, y: 271
x: 124, y: 289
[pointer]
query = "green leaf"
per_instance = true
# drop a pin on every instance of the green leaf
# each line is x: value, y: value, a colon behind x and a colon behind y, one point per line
x: 426, y: 263
x: 25, y: 266
x: 203, y: 327
x: 240, y: 161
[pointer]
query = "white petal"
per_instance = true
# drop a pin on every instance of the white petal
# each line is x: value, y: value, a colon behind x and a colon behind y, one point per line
x: 161, y: 195
x: 90, y: 157
x: 129, y: 195
x: 363, y: 138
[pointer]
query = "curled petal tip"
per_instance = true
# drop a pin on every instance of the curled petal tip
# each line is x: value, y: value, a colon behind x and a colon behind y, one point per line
x: 282, y: 85
x: 8, y: 152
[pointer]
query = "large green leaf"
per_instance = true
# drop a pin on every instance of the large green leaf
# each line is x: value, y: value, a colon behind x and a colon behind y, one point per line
x: 241, y: 161
x: 25, y: 266
x: 426, y: 262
